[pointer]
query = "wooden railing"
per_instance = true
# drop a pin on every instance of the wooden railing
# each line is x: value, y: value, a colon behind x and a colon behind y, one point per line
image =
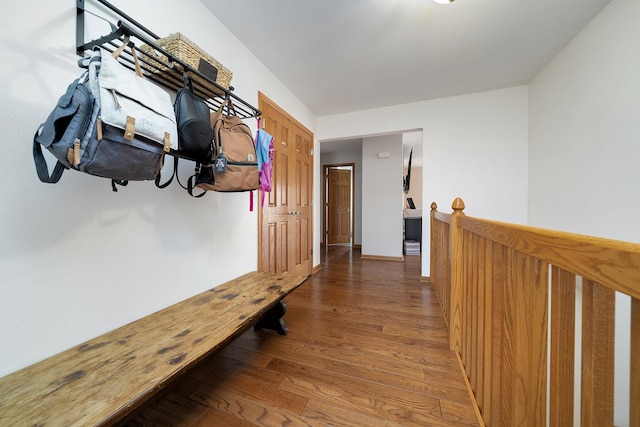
x: 494, y: 280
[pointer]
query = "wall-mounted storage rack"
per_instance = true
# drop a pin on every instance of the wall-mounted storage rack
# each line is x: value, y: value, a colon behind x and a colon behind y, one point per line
x: 166, y: 73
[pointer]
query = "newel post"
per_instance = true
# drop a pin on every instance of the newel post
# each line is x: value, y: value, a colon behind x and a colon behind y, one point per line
x: 455, y: 321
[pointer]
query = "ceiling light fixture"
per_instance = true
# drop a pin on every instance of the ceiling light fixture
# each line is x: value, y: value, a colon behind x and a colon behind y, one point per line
x: 443, y: 1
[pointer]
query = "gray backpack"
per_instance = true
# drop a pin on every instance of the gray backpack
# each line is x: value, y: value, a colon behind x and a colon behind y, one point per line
x: 75, y: 134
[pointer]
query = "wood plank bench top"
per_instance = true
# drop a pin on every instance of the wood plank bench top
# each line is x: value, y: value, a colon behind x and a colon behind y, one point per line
x: 104, y: 379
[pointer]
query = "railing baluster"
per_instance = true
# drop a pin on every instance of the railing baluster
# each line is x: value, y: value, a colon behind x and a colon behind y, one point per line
x: 467, y: 304
x: 447, y: 268
x: 634, y: 394
x: 472, y: 285
x: 508, y: 336
x: 480, y: 319
x: 536, y: 297
x: 563, y: 294
x: 497, y: 297
x: 598, y: 317
x: 435, y: 251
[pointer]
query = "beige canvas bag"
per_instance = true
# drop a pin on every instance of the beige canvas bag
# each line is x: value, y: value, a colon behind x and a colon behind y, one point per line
x: 234, y: 162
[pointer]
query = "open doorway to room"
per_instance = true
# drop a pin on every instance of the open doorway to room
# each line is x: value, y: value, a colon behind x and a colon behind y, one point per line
x: 341, y: 152
x: 337, y: 213
x: 412, y: 188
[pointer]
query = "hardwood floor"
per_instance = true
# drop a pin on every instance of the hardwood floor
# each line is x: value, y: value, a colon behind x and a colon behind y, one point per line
x: 367, y: 346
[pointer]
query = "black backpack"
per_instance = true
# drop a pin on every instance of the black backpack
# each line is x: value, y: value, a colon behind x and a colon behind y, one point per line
x: 195, y: 134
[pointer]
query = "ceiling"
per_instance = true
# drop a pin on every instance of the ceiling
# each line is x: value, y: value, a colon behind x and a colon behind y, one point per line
x: 339, y: 56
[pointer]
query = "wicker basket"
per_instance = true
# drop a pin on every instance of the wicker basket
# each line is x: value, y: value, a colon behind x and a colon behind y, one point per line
x: 191, y: 54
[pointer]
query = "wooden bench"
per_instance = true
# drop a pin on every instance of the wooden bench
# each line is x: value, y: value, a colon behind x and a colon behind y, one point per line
x: 103, y: 380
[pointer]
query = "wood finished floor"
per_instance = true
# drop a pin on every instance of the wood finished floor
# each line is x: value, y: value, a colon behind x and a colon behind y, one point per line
x: 367, y: 346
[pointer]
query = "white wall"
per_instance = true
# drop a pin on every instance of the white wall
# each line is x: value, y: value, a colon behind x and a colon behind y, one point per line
x: 354, y: 157
x: 76, y: 259
x: 583, y: 148
x: 474, y: 147
x: 382, y: 196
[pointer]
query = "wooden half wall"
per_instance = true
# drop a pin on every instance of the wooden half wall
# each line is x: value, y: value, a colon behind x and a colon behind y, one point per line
x: 508, y: 293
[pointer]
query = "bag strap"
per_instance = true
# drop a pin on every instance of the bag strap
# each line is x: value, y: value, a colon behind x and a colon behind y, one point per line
x: 191, y: 186
x: 121, y: 182
x: 41, y: 165
x: 191, y: 183
x: 187, y: 83
x: 217, y: 114
x: 230, y: 107
x: 121, y: 49
x: 170, y: 180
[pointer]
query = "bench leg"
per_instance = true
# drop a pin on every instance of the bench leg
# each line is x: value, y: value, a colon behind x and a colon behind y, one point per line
x: 272, y: 319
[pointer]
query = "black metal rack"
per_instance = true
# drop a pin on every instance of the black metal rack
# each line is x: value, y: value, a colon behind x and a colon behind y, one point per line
x: 168, y: 74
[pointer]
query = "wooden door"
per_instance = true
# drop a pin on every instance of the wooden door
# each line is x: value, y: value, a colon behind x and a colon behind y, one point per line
x: 285, y: 232
x: 338, y: 206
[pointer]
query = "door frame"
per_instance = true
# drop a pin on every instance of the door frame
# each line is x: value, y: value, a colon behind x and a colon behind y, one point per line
x: 262, y: 101
x: 325, y: 198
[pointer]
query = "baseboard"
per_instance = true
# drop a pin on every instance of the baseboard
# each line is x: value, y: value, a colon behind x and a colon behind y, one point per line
x: 382, y: 258
x: 357, y: 246
x: 316, y: 269
x: 425, y: 279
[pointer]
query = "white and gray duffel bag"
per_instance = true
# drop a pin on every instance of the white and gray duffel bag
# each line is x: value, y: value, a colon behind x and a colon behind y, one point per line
x: 111, y: 122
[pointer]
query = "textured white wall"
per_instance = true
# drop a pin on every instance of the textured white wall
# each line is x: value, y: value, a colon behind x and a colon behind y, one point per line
x: 382, y: 196
x: 584, y: 151
x: 77, y: 259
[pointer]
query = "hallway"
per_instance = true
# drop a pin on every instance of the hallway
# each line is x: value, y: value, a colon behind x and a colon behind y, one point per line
x: 367, y: 346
